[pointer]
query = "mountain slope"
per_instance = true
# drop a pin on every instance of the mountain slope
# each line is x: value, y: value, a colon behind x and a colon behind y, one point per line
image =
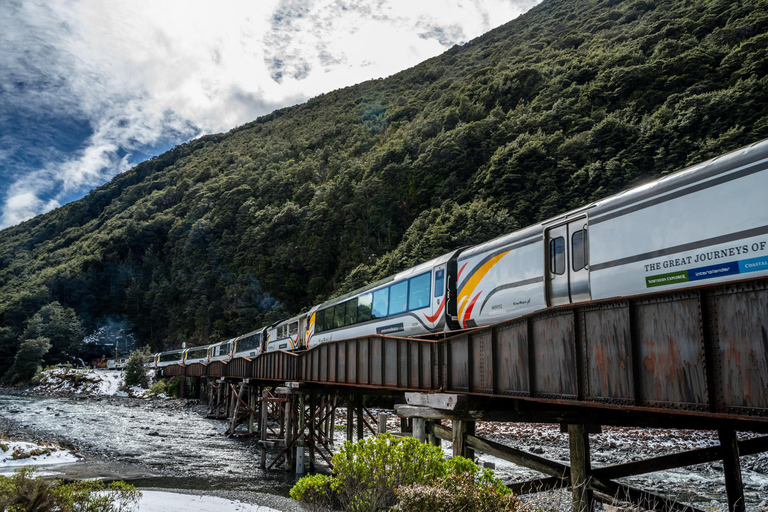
x: 573, y: 101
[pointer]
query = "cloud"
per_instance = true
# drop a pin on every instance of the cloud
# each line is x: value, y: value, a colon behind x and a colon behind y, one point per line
x: 87, y: 86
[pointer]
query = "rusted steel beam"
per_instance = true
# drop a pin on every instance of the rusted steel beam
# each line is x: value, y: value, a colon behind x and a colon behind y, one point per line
x: 678, y: 460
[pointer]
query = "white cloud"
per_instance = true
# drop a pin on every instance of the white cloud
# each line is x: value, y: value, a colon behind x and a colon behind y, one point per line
x: 144, y: 71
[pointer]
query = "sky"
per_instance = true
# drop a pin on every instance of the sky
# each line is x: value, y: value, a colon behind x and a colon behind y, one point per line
x: 89, y: 88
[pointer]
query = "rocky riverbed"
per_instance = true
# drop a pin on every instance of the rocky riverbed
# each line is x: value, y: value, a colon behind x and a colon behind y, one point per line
x: 166, y: 444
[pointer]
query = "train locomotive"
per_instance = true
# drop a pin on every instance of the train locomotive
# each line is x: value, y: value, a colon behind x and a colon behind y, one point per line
x: 705, y: 224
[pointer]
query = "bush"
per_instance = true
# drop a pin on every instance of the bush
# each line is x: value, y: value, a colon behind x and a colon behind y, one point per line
x: 314, y: 492
x: 465, y: 487
x: 367, y: 473
x: 158, y: 388
x: 135, y: 369
x: 174, y: 387
x: 24, y: 492
x: 383, y: 472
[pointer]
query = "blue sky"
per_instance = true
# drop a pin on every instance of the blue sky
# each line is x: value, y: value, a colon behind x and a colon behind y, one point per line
x: 89, y: 88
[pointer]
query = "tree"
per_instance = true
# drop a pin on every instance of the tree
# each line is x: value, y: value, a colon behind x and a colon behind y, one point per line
x: 135, y: 368
x: 28, y: 360
x: 60, y: 326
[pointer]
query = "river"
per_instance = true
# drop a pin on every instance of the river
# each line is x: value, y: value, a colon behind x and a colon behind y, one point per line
x: 171, y: 445
x: 155, y: 444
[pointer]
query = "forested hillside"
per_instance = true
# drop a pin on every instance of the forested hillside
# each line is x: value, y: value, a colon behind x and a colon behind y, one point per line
x: 571, y: 102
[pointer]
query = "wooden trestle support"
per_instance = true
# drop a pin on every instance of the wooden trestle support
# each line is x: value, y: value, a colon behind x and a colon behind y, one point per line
x: 589, y: 485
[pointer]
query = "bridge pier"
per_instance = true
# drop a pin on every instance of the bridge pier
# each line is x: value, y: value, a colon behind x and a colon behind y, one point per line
x: 734, y: 487
x: 578, y: 439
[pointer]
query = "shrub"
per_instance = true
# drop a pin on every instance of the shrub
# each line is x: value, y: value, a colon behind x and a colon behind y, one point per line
x: 24, y: 492
x: 465, y: 487
x: 173, y: 388
x: 367, y: 473
x: 158, y: 388
x: 135, y: 369
x: 314, y: 492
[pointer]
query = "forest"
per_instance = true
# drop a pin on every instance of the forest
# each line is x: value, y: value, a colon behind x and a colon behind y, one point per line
x: 571, y: 102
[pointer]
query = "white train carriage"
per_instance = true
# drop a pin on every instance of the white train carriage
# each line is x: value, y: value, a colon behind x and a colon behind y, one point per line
x: 168, y: 358
x: 196, y: 355
x: 705, y: 224
x: 221, y: 351
x: 287, y: 334
x: 410, y: 303
x: 250, y: 344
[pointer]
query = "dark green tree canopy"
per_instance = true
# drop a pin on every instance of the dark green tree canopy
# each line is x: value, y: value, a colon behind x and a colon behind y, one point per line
x: 573, y: 101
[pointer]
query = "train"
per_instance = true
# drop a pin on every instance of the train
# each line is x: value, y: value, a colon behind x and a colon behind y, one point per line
x: 705, y: 224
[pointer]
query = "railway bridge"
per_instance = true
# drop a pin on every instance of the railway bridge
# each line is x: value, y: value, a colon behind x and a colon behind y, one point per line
x: 696, y: 358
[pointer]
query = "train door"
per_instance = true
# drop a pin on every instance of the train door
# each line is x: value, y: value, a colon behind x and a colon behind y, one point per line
x: 439, y: 293
x: 568, y: 263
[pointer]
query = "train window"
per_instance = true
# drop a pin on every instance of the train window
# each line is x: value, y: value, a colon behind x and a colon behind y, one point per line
x: 319, y: 317
x: 380, y: 303
x: 364, y: 303
x: 418, y: 291
x: 577, y: 250
x: 350, y: 317
x: 557, y: 255
x: 398, y: 298
x: 293, y: 329
x: 439, y: 282
x: 338, y: 315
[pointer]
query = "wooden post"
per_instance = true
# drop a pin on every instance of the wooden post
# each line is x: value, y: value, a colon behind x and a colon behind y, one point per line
x: 580, y: 467
x: 333, y: 419
x: 290, y: 459
x: 350, y: 423
x: 734, y: 487
x: 300, y: 469
x: 382, y: 424
x: 360, y: 418
x: 218, y: 401
x: 312, y: 433
x: 419, y: 429
x: 263, y: 428
x: 431, y: 437
x: 460, y: 429
x: 182, y: 386
x: 252, y: 407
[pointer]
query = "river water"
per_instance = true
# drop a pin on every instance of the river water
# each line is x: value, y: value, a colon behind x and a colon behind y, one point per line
x: 157, y: 444
x: 171, y: 445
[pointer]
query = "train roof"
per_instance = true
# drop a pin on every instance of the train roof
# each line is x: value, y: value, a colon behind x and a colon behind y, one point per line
x: 703, y: 171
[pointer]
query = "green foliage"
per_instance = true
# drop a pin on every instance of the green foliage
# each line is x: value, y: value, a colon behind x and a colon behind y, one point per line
x: 571, y: 102
x: 158, y: 388
x: 314, y: 492
x: 28, y: 360
x: 381, y: 472
x: 60, y: 326
x: 135, y: 373
x: 366, y: 473
x: 465, y: 487
x: 23, y: 492
x: 174, y: 387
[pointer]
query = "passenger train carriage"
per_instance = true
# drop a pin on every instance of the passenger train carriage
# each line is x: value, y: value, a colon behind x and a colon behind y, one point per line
x: 705, y: 224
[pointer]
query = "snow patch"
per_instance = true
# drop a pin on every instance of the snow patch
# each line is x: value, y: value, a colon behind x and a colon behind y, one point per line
x: 159, y: 501
x: 31, y: 454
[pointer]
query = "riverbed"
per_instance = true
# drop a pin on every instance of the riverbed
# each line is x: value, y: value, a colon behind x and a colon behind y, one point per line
x: 170, y: 445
